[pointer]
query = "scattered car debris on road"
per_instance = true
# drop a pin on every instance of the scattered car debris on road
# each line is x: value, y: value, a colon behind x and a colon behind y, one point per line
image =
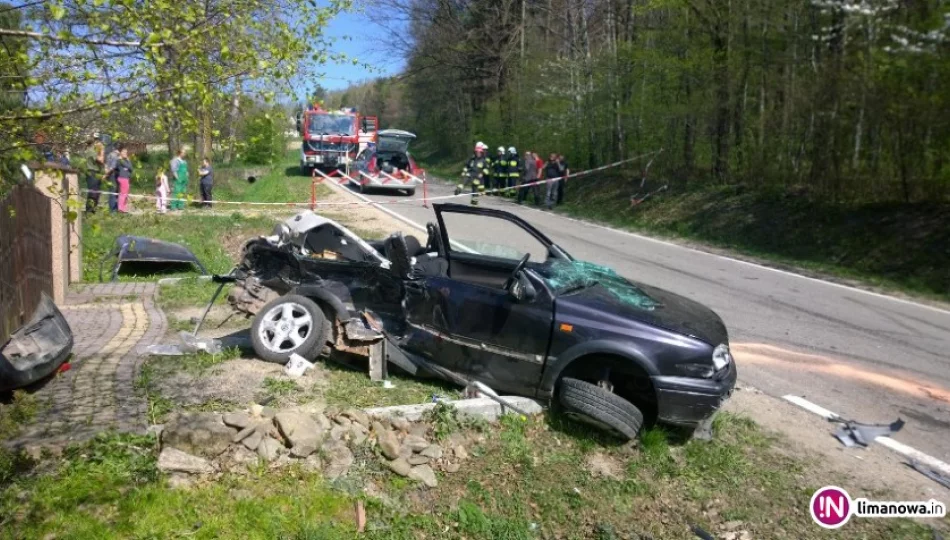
x: 614, y: 353
x: 38, y: 349
x: 138, y: 249
x: 852, y: 433
x: 929, y: 472
x: 188, y: 344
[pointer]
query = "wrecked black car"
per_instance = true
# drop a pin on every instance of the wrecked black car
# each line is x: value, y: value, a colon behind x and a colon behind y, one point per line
x: 488, y: 298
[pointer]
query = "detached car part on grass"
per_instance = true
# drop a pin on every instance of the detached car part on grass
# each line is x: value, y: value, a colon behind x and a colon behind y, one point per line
x: 138, y: 249
x: 37, y: 349
x: 614, y: 353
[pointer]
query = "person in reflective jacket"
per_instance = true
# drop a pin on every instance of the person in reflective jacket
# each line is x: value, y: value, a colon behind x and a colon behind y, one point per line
x: 476, y: 172
x: 499, y: 170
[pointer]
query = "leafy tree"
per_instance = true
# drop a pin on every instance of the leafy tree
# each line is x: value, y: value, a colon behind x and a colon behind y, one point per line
x: 170, y: 61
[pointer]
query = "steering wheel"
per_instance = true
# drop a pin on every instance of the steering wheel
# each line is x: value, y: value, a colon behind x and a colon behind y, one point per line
x: 514, y: 274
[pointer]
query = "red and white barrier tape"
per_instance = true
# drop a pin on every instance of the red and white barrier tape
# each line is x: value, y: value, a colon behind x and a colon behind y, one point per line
x: 308, y: 204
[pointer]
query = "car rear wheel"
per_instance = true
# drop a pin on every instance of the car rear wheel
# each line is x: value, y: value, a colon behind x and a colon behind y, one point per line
x: 291, y: 324
x: 598, y: 406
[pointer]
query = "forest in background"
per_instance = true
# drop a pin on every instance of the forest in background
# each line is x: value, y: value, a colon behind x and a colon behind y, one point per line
x: 845, y: 100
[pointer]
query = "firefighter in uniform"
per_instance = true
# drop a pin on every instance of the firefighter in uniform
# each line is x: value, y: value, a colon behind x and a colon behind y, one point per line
x: 499, y: 170
x: 476, y: 172
x: 515, y: 170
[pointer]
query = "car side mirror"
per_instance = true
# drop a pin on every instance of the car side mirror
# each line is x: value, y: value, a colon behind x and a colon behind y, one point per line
x: 522, y: 290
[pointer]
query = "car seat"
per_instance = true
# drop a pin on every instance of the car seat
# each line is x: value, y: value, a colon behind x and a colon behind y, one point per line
x: 410, y: 260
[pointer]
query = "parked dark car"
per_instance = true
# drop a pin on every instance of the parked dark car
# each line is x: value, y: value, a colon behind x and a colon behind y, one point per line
x: 489, y: 298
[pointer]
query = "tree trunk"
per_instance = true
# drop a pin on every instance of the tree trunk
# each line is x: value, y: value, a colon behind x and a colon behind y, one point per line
x: 721, y: 141
x: 233, y: 122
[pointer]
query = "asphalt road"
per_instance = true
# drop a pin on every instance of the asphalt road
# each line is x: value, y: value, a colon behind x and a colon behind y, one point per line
x: 866, y: 356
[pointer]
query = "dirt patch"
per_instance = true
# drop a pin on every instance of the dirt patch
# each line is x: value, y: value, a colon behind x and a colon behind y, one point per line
x: 364, y: 219
x: 870, y: 471
x: 240, y: 381
x: 601, y: 465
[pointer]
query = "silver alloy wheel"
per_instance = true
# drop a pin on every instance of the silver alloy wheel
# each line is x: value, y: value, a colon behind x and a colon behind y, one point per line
x: 285, y: 327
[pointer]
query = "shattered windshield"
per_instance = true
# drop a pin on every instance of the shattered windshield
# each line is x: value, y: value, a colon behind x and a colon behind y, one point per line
x: 331, y: 124
x: 565, y: 277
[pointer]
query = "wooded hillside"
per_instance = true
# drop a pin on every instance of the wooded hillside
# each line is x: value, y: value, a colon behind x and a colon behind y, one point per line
x: 847, y: 98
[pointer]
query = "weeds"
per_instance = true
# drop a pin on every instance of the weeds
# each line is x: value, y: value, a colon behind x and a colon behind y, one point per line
x: 445, y: 421
x: 21, y: 409
x: 275, y: 388
x: 349, y: 387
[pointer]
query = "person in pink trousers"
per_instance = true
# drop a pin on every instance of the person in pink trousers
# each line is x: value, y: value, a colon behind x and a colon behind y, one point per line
x: 123, y: 176
x: 161, y: 191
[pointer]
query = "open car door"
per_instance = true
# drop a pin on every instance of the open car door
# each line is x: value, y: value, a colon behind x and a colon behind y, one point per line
x: 484, y: 318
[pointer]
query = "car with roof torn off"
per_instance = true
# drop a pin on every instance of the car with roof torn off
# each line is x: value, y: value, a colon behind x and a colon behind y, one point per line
x: 488, y: 298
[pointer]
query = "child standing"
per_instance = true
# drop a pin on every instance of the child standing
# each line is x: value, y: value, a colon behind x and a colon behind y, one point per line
x: 161, y: 191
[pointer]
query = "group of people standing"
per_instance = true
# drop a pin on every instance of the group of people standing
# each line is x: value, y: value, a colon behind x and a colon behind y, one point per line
x: 112, y: 173
x: 507, y: 172
x: 107, y: 172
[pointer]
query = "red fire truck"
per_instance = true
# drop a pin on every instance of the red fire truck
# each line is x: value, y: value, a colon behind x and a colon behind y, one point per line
x: 332, y: 139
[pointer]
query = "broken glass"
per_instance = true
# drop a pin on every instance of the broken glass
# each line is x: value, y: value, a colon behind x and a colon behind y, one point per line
x: 570, y: 276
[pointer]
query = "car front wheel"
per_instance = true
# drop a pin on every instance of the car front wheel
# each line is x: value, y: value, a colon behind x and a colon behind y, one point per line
x: 291, y: 324
x: 592, y: 404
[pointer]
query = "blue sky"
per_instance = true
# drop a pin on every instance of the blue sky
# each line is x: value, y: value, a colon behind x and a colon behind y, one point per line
x: 364, y: 45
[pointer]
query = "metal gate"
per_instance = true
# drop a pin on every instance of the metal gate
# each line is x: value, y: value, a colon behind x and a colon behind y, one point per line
x: 26, y: 258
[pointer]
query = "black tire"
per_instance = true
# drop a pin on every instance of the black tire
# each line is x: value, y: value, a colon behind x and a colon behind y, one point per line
x: 306, y: 171
x: 595, y: 405
x: 312, y: 341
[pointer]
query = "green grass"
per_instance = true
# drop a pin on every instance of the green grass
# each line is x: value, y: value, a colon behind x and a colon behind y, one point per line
x: 111, y: 488
x: 207, y: 236
x: 276, y: 388
x: 190, y: 292
x: 896, y: 246
x: 22, y: 408
x: 527, y: 479
x: 351, y: 387
x: 284, y: 183
x: 445, y: 421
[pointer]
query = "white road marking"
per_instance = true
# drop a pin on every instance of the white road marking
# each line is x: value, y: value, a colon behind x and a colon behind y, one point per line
x: 380, y: 206
x: 886, y: 442
x: 811, y: 407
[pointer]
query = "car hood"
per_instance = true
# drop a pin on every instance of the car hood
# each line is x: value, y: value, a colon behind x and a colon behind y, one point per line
x: 654, y: 306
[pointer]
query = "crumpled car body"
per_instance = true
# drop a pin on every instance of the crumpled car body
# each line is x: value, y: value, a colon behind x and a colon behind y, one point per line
x: 518, y: 318
x: 37, y: 349
x: 139, y: 249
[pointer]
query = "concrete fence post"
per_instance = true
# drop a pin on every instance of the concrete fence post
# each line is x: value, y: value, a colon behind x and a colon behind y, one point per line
x: 61, y: 185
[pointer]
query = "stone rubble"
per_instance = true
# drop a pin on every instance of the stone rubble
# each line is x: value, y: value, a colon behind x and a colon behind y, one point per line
x: 319, y: 438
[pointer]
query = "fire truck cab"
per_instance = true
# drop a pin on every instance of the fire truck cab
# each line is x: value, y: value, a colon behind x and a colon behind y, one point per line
x: 332, y: 139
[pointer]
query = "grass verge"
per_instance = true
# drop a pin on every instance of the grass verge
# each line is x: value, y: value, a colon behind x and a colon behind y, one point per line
x: 349, y: 387
x: 526, y: 479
